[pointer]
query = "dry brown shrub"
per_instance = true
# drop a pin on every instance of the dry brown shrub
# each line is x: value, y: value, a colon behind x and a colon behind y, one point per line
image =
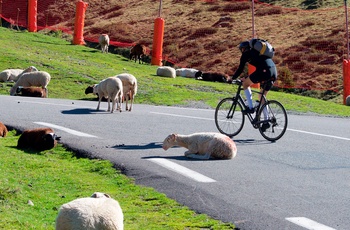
x: 114, y: 14
x: 236, y: 6
x: 268, y: 11
x: 201, y: 32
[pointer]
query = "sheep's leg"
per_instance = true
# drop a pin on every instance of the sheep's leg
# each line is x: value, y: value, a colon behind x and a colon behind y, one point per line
x: 197, y: 156
x: 113, y: 104
x: 109, y: 106
x: 99, y: 101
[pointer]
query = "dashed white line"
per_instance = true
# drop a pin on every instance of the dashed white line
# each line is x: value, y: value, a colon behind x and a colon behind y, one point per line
x: 71, y: 131
x: 182, y: 170
x: 308, y: 224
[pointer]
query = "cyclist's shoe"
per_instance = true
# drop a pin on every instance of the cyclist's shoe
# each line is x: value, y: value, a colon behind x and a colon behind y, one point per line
x: 248, y: 110
x: 265, y: 126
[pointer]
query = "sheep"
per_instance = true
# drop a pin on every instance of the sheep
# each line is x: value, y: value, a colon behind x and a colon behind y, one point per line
x: 98, y: 212
x: 129, y: 88
x: 203, y: 145
x: 30, y: 92
x: 39, y: 139
x: 138, y: 51
x: 213, y: 76
x: 103, y: 41
x: 186, y: 72
x: 166, y: 71
x: 13, y: 74
x: 112, y: 89
x: 37, y: 78
x: 3, y: 130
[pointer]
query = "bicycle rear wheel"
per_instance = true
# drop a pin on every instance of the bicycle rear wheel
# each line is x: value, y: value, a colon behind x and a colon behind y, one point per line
x: 229, y: 119
x: 273, y: 120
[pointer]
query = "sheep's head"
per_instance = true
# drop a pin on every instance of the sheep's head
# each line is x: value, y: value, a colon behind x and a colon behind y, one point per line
x: 13, y: 91
x: 169, y: 141
x: 100, y: 195
x: 50, y: 141
x: 89, y: 89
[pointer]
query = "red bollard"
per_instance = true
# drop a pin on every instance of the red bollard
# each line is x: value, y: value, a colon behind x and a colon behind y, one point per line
x: 78, y: 38
x: 346, y: 79
x: 32, y: 15
x: 157, y: 48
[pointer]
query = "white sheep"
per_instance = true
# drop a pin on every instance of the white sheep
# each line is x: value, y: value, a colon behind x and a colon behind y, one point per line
x: 13, y: 74
x: 112, y: 89
x: 37, y: 78
x: 103, y: 41
x: 98, y: 212
x: 186, y: 72
x: 203, y: 145
x: 166, y: 71
x: 129, y: 88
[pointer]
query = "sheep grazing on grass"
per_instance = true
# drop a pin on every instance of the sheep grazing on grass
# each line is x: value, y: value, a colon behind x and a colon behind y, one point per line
x: 129, y: 88
x: 166, y: 71
x: 103, y: 41
x: 186, y: 72
x: 212, y: 76
x: 37, y: 78
x: 30, y: 92
x: 39, y: 139
x: 98, y: 212
x: 110, y: 88
x: 137, y: 52
x: 13, y: 74
x: 3, y: 130
x: 203, y: 145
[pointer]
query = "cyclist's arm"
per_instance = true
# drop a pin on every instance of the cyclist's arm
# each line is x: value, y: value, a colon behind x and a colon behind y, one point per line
x: 244, y: 59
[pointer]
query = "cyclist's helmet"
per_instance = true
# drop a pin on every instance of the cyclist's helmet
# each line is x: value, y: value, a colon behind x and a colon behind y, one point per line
x: 243, y: 46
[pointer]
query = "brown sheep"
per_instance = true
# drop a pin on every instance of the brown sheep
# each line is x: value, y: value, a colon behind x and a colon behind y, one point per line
x: 138, y: 51
x: 30, y: 92
x: 3, y: 130
x: 39, y: 139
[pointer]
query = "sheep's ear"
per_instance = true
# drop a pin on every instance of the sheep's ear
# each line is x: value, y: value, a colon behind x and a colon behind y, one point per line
x: 106, y: 195
x: 173, y: 136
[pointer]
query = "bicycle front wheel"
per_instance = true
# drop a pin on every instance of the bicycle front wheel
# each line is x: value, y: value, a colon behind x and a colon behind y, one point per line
x: 229, y: 119
x: 273, y: 120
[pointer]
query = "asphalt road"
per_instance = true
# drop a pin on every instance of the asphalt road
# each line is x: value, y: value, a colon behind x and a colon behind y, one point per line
x: 299, y: 182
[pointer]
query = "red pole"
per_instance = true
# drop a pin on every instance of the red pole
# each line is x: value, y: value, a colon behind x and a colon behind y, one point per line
x: 346, y: 63
x: 32, y: 15
x: 157, y: 48
x: 78, y: 38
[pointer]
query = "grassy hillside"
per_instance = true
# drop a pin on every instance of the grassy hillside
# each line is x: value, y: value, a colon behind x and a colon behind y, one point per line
x: 73, y: 68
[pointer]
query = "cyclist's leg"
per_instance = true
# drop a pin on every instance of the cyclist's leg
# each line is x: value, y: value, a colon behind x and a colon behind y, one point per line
x: 247, y: 82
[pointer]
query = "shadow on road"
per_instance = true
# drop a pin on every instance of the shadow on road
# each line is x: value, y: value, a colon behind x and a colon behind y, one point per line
x: 81, y: 111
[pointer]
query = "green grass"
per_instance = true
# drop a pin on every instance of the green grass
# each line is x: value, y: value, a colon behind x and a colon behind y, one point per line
x: 35, y: 176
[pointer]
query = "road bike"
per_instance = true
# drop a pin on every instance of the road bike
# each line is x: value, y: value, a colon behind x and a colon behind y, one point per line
x: 269, y: 116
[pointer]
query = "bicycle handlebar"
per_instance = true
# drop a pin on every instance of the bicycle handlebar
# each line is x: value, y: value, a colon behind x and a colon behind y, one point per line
x: 237, y: 82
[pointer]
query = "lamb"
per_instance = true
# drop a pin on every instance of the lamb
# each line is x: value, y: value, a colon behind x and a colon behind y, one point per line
x: 39, y: 139
x: 37, y: 78
x: 203, y: 145
x: 129, y: 88
x: 110, y: 88
x: 98, y: 212
x: 166, y: 71
x: 186, y: 72
x: 103, y: 41
x: 137, y: 52
x: 30, y: 92
x: 213, y: 76
x: 3, y: 130
x: 13, y: 74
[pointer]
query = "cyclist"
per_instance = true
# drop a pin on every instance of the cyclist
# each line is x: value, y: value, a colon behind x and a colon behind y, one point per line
x: 265, y: 72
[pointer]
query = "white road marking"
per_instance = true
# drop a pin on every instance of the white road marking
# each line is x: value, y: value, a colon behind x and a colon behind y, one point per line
x: 182, y: 170
x: 71, y: 131
x: 308, y: 224
x: 293, y: 130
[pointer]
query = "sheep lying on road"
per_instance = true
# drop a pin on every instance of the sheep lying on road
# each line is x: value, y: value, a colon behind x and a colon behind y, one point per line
x: 30, y: 92
x: 110, y: 88
x: 103, y: 41
x: 39, y: 139
x: 98, y: 212
x: 129, y: 88
x: 166, y: 71
x: 37, y: 78
x: 13, y: 74
x: 3, y: 130
x: 203, y: 145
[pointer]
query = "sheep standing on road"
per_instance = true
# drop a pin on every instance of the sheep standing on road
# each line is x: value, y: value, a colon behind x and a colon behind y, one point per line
x: 3, y: 130
x: 39, y: 139
x: 13, y: 74
x: 103, y: 41
x: 129, y: 88
x: 98, y: 212
x: 110, y: 88
x: 203, y: 145
x: 37, y: 78
x: 137, y: 52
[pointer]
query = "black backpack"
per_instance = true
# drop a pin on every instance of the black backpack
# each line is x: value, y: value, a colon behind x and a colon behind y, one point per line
x: 262, y: 46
